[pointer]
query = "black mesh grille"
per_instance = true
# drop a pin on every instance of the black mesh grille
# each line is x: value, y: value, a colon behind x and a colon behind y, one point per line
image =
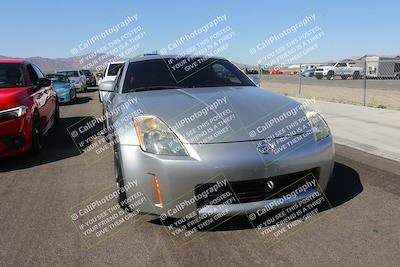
x: 257, y: 189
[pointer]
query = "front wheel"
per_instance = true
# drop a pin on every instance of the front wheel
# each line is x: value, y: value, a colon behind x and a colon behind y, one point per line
x: 356, y: 75
x: 330, y: 75
x: 122, y: 198
x: 72, y: 96
x: 36, y: 134
x: 319, y: 77
x: 57, y: 113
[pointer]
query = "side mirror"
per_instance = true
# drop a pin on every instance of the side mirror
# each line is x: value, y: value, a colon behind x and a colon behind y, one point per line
x: 43, y: 82
x: 107, y: 86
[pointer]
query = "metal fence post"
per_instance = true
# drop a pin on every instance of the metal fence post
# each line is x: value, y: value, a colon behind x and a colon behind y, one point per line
x: 365, y: 82
x: 259, y: 74
x: 300, y: 81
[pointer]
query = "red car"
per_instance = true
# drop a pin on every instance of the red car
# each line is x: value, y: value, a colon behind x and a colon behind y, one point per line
x: 276, y: 72
x: 28, y: 107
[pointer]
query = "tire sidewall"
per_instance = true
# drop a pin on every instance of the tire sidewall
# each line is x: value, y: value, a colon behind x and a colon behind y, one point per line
x: 36, y: 134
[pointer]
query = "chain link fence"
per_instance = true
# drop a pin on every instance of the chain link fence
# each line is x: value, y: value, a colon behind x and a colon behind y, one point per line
x: 370, y: 81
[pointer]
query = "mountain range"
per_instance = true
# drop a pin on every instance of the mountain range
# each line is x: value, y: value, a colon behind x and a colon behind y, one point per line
x: 94, y: 62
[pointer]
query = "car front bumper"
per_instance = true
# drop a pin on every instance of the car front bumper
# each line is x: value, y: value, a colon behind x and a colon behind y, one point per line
x: 321, y: 73
x: 236, y: 162
x: 15, y: 136
x: 64, y: 97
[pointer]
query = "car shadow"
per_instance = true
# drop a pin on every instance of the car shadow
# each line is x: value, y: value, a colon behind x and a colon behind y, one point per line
x: 344, y: 186
x: 81, y: 100
x: 57, y: 145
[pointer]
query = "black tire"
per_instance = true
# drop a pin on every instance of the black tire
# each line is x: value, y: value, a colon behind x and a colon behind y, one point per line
x: 57, y: 113
x: 397, y: 77
x: 344, y: 77
x: 330, y: 75
x: 36, y: 134
x: 106, y: 133
x: 72, y: 100
x: 319, y: 77
x: 356, y: 75
x: 120, y: 182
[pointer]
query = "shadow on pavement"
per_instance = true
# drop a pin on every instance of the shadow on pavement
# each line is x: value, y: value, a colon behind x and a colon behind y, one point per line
x: 81, y: 100
x: 344, y: 186
x: 57, y: 145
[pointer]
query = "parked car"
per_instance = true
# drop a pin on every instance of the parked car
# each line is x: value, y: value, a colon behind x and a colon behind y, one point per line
x: 90, y: 78
x: 28, y: 107
x: 156, y: 112
x: 109, y: 75
x: 78, y: 79
x: 251, y: 71
x: 276, y: 72
x: 66, y: 92
x: 343, y: 69
x: 308, y: 72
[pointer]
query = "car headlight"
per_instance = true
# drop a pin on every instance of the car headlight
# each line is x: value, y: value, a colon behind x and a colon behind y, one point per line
x: 319, y: 126
x: 157, y: 138
x: 12, y: 113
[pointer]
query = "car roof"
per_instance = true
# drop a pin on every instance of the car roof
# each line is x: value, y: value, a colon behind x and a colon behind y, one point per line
x: 151, y: 57
x: 116, y: 62
x: 12, y: 61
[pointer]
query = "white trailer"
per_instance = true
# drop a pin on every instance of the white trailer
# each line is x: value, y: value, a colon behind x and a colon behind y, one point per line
x: 383, y: 67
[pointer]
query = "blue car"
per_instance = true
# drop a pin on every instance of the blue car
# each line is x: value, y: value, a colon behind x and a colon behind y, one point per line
x: 66, y: 92
x: 308, y: 73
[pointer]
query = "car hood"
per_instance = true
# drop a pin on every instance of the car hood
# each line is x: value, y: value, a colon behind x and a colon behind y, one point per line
x: 12, y: 95
x: 58, y: 86
x: 219, y: 114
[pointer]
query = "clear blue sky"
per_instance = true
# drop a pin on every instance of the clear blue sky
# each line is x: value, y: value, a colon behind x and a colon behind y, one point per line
x: 52, y: 28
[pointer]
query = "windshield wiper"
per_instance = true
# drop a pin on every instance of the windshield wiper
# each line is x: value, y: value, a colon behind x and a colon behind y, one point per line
x: 152, y: 88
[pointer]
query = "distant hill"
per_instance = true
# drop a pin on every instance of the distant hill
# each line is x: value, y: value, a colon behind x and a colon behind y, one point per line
x: 88, y: 61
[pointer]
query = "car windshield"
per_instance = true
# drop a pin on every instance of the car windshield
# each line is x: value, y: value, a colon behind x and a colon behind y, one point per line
x: 11, y: 75
x: 182, y: 73
x: 87, y: 73
x: 113, y: 69
x: 58, y: 78
x: 71, y: 73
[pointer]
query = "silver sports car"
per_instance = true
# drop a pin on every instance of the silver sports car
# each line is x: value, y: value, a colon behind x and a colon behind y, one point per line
x: 197, y: 136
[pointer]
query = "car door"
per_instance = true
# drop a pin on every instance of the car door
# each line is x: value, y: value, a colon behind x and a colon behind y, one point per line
x: 49, y: 99
x: 38, y: 97
x: 340, y: 69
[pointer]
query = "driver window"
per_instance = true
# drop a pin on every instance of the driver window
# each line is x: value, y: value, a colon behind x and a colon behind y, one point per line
x: 223, y: 73
x: 119, y: 75
x: 32, y: 75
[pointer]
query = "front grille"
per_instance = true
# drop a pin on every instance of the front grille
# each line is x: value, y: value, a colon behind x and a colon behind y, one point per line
x: 257, y: 189
x: 319, y: 69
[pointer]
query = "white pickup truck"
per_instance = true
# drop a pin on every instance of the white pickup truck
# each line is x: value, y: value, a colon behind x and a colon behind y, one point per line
x: 342, y: 69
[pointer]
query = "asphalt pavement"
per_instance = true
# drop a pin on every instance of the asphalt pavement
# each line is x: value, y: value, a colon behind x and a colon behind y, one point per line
x: 36, y: 193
